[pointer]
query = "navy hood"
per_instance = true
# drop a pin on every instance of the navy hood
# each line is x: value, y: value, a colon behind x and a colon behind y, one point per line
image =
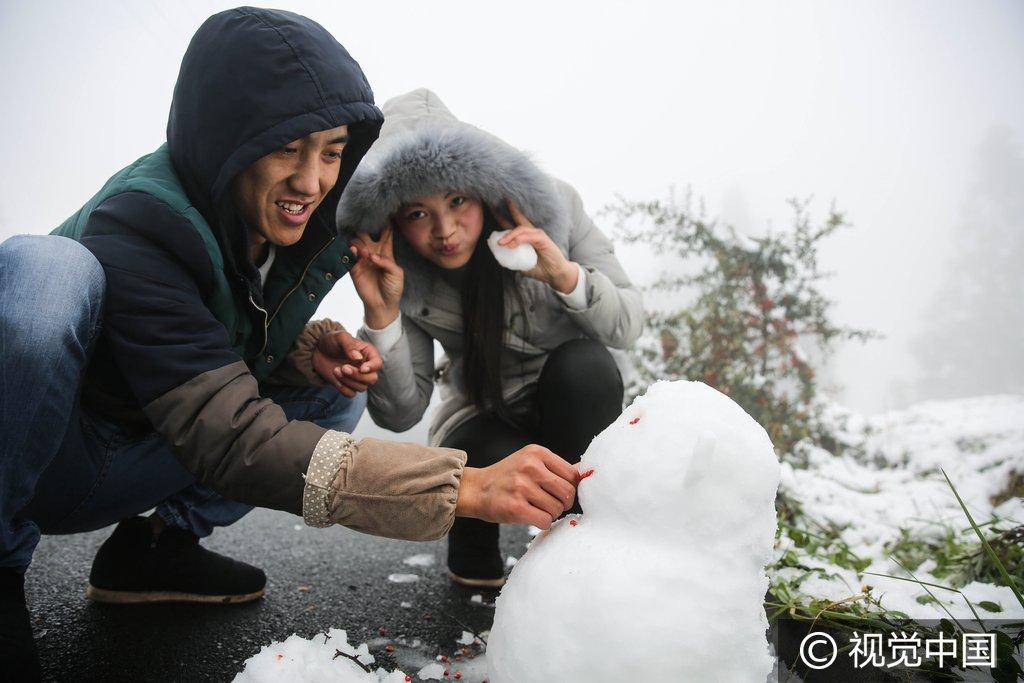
x: 251, y: 81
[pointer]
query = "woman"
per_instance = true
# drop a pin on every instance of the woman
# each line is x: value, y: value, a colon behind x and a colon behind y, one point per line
x: 526, y: 357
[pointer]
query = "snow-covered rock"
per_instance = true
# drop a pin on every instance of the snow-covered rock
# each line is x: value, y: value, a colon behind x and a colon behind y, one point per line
x: 663, y: 576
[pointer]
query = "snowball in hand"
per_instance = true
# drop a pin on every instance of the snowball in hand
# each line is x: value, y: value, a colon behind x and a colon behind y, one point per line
x: 662, y: 577
x: 520, y: 257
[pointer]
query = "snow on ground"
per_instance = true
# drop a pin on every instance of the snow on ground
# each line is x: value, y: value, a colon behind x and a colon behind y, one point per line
x: 467, y: 638
x: 894, y: 485
x: 324, y: 658
x: 330, y: 658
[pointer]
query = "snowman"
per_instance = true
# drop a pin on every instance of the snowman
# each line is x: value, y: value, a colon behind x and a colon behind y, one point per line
x: 662, y: 578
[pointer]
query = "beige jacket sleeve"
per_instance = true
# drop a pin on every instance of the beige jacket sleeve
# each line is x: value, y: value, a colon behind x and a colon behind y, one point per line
x: 242, y: 446
x: 398, y: 490
x: 297, y: 367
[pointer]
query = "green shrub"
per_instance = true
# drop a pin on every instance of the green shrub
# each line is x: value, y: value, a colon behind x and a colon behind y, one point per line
x: 742, y: 310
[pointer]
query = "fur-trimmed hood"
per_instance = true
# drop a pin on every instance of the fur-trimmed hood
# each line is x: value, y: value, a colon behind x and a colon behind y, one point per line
x: 423, y: 149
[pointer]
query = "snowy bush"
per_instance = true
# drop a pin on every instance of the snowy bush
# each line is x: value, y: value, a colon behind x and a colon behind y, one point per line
x: 738, y: 310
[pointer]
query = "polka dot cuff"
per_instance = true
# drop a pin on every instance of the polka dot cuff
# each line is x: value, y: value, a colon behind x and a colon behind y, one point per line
x: 331, y: 451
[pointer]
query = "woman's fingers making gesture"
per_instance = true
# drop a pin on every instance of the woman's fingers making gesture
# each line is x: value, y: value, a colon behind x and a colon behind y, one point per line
x: 552, y: 265
x: 378, y: 279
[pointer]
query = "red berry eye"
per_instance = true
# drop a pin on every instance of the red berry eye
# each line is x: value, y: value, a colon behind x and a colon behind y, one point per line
x: 572, y: 522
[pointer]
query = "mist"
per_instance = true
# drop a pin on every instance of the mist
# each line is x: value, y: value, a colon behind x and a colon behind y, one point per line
x: 908, y: 116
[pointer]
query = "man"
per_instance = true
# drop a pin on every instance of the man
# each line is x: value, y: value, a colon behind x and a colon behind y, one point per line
x: 156, y: 350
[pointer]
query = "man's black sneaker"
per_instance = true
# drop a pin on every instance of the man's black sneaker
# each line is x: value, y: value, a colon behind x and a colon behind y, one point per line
x: 474, y: 559
x: 135, y: 565
x: 18, y: 658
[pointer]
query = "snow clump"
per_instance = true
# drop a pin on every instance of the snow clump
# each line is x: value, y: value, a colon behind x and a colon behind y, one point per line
x: 315, y: 661
x: 519, y: 257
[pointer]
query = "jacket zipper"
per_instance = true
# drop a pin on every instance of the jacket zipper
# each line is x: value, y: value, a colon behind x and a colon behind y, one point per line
x: 266, y: 323
x: 266, y: 319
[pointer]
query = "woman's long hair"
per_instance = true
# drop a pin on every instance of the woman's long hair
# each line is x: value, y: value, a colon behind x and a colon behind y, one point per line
x: 484, y: 323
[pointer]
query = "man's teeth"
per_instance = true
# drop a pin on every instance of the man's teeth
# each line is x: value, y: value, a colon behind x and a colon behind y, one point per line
x: 291, y: 208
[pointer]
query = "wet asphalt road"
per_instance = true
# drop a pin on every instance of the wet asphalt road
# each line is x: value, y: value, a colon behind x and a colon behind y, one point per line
x: 347, y: 578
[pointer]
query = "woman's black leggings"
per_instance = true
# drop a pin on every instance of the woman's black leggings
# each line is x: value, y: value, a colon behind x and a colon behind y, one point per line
x: 579, y: 393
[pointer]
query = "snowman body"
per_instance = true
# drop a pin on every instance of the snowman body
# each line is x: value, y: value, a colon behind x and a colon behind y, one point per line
x: 662, y: 577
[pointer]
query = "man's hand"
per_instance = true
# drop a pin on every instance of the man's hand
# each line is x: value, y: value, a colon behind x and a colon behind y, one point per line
x: 347, y: 363
x: 531, y: 486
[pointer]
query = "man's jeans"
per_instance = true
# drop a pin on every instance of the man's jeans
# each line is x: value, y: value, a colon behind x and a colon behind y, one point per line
x: 63, y: 469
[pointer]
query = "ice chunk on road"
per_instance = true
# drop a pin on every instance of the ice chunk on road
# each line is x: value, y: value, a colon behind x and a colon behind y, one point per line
x: 431, y: 672
x: 403, y: 578
x: 422, y: 560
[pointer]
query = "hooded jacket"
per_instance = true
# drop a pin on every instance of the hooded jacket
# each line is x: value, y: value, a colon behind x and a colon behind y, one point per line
x: 188, y: 331
x: 423, y: 149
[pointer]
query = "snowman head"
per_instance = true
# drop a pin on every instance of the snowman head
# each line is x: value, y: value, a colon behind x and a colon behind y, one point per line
x: 682, y: 459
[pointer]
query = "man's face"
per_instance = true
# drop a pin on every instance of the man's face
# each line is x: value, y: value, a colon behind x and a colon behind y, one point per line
x: 277, y: 194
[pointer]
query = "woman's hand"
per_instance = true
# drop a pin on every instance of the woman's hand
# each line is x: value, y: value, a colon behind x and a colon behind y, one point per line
x: 531, y: 486
x: 552, y: 266
x: 378, y: 279
x: 350, y: 365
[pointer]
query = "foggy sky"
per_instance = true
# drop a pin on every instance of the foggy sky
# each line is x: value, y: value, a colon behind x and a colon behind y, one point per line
x: 879, y: 106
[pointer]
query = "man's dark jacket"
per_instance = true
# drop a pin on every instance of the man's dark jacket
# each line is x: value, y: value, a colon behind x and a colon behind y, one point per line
x: 188, y: 332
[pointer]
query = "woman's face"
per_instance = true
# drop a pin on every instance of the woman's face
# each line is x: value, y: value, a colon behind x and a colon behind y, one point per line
x: 443, y: 228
